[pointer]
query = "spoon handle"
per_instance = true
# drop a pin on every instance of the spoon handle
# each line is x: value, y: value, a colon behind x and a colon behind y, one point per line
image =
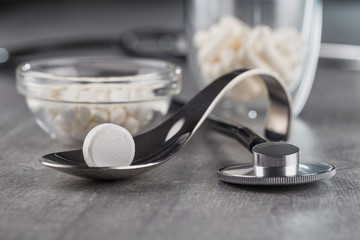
x: 171, y: 135
x: 241, y: 133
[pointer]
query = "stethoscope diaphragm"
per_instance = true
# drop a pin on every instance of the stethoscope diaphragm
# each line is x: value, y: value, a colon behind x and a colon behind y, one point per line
x: 276, y: 163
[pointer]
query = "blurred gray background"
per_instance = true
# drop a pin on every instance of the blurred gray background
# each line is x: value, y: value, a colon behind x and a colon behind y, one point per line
x: 24, y: 21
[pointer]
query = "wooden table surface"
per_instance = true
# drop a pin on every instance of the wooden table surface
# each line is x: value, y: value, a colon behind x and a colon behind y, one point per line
x: 183, y: 199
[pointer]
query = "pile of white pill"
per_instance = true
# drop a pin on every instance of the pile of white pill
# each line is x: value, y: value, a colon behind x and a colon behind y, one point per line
x: 132, y: 107
x: 231, y: 44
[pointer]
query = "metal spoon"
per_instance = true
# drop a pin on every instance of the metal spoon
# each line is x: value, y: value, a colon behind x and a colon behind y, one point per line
x: 161, y: 143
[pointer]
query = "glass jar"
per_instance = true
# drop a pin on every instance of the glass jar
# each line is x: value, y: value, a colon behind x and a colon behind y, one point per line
x: 279, y: 35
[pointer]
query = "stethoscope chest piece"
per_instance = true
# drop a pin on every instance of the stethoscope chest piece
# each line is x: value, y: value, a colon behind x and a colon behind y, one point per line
x: 276, y: 163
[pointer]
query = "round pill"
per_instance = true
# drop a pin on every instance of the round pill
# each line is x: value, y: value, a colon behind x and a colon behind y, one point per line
x: 108, y: 145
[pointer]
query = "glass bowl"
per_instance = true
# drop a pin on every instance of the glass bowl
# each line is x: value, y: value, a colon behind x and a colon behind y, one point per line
x: 280, y: 35
x: 70, y: 96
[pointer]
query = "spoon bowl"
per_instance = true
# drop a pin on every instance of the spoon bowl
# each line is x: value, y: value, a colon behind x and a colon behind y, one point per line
x: 73, y: 163
x: 161, y: 143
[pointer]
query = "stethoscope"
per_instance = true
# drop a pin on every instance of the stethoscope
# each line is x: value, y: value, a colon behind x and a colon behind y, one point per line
x: 273, y: 163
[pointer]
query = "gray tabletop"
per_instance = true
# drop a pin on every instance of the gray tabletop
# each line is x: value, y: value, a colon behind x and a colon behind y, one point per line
x: 183, y: 199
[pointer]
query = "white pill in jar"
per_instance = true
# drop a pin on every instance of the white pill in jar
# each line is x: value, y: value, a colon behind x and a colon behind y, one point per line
x: 108, y: 145
x: 232, y: 44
